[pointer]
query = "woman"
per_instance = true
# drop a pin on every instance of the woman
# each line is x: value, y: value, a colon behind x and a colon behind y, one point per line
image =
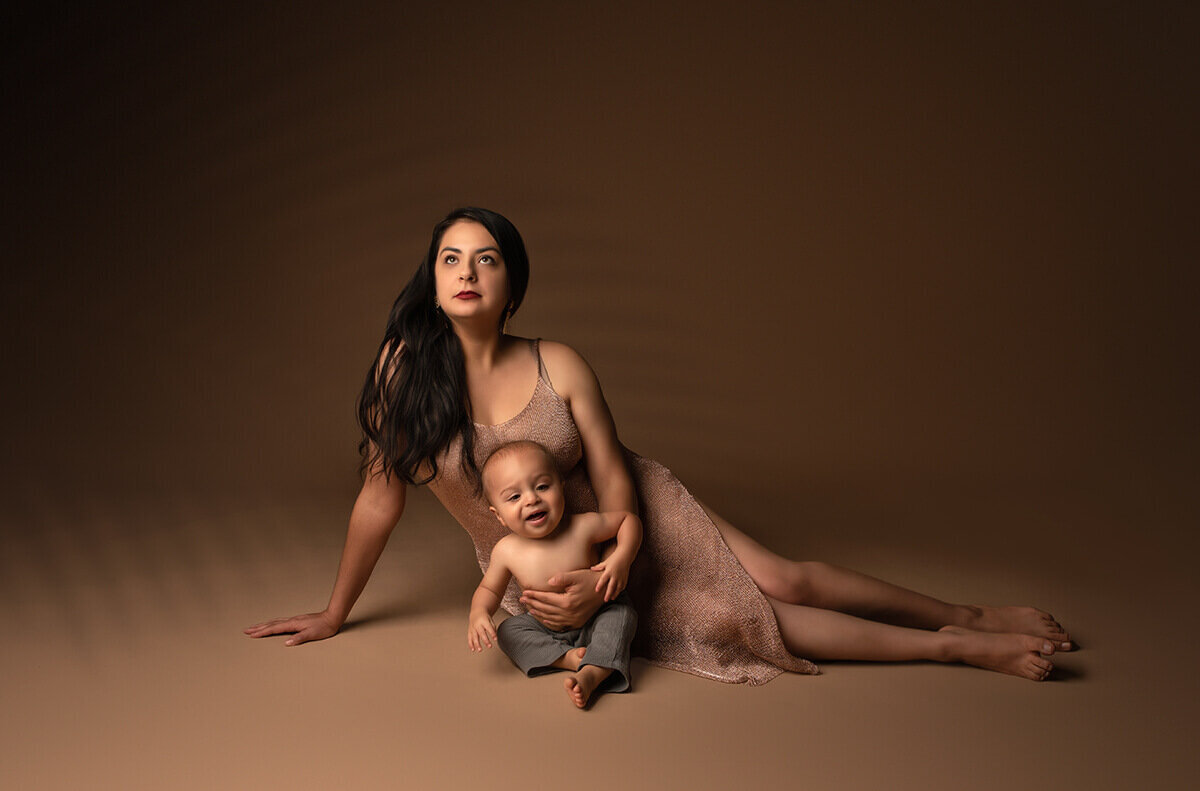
x: 450, y: 384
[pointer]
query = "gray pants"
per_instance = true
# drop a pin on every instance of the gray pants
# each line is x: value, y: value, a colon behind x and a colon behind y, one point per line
x: 534, y: 648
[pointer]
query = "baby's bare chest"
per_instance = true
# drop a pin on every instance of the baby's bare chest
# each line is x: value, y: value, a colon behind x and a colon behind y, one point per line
x: 534, y: 562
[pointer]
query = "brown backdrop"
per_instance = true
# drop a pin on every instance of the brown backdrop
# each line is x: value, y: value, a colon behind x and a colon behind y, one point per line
x: 874, y: 280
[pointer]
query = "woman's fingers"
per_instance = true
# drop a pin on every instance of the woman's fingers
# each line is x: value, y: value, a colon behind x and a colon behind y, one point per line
x: 274, y: 627
x: 545, y: 601
x: 258, y: 626
x: 545, y: 613
x: 537, y: 608
x: 548, y: 614
x: 305, y: 628
x: 299, y: 637
x: 567, y: 578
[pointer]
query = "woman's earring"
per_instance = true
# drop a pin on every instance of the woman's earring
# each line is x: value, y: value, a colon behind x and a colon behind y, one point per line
x: 437, y: 305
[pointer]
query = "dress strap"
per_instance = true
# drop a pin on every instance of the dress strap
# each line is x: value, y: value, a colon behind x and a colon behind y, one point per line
x: 537, y: 352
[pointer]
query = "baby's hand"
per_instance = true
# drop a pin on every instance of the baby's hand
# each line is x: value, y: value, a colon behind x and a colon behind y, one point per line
x: 615, y: 573
x: 480, y: 632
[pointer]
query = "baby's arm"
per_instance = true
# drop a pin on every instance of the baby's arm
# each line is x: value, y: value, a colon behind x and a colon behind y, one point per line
x: 628, y: 530
x: 481, y: 632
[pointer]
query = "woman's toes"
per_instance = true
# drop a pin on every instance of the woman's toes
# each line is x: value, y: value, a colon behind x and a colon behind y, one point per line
x: 1039, y: 644
x: 1037, y: 670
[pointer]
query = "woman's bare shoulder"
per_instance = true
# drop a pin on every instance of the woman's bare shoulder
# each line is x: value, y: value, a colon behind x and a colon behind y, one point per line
x: 559, y: 350
x: 565, y: 366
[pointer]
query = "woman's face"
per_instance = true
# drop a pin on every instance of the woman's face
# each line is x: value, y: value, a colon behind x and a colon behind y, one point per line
x: 469, y: 274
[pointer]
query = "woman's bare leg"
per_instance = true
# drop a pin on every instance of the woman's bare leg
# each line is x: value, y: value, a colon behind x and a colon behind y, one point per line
x: 825, y: 634
x: 829, y: 587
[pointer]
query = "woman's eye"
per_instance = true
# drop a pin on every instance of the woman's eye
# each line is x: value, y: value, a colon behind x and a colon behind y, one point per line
x: 485, y: 259
x: 451, y: 259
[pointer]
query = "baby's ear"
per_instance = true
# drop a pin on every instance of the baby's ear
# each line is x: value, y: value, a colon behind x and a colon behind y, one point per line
x: 496, y: 513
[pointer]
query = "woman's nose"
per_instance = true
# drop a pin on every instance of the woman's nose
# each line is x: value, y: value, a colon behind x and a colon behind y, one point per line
x: 466, y: 273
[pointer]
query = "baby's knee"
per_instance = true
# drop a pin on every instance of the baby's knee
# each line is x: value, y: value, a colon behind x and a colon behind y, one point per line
x: 511, y: 629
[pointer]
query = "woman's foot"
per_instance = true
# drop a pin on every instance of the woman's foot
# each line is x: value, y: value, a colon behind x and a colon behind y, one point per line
x: 1017, y: 620
x: 1016, y: 654
x: 581, y: 684
x: 570, y: 660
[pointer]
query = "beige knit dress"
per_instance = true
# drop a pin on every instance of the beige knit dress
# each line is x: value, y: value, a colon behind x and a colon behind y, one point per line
x: 698, y: 609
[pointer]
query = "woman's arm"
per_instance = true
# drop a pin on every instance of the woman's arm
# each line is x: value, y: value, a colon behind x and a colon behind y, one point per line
x: 576, y: 383
x: 378, y: 507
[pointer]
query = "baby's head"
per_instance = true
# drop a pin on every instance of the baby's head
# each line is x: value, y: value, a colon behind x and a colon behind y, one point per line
x: 521, y: 483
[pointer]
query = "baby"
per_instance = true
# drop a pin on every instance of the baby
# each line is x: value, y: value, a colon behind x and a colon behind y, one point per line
x: 521, y: 483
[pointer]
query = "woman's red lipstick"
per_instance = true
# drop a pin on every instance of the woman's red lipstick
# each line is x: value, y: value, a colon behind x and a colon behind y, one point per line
x: 466, y: 295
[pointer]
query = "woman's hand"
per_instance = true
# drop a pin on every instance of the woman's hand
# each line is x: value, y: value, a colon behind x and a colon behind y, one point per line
x: 569, y: 607
x: 304, y: 628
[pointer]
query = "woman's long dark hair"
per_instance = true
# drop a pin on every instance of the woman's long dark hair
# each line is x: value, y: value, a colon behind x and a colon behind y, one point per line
x: 414, y: 400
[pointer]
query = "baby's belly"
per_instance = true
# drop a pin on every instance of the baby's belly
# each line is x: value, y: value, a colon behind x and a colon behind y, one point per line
x: 536, y: 572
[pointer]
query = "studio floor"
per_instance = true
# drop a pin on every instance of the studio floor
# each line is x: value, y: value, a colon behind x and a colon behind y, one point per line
x: 125, y: 666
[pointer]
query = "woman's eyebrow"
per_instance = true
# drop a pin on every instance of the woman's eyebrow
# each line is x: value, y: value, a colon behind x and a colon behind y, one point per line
x: 477, y: 252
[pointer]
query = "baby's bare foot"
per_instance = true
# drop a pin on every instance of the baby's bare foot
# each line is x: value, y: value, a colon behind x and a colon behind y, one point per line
x: 582, y: 684
x: 571, y: 659
x: 1018, y: 620
x: 1017, y: 654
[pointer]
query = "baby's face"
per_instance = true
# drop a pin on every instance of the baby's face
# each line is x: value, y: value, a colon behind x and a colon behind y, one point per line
x: 525, y: 492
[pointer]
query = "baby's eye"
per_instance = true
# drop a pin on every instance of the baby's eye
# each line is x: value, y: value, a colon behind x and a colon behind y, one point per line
x: 541, y: 487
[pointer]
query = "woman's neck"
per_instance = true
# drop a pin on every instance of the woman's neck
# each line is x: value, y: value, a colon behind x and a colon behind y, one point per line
x: 481, y: 344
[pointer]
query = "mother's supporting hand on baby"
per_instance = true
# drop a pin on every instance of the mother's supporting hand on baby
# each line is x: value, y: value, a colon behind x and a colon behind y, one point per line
x: 570, y: 604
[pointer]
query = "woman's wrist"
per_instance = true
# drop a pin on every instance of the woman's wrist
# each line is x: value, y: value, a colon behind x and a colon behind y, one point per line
x: 336, y: 618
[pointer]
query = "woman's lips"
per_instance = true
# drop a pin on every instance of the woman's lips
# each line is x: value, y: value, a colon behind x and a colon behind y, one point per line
x: 466, y: 295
